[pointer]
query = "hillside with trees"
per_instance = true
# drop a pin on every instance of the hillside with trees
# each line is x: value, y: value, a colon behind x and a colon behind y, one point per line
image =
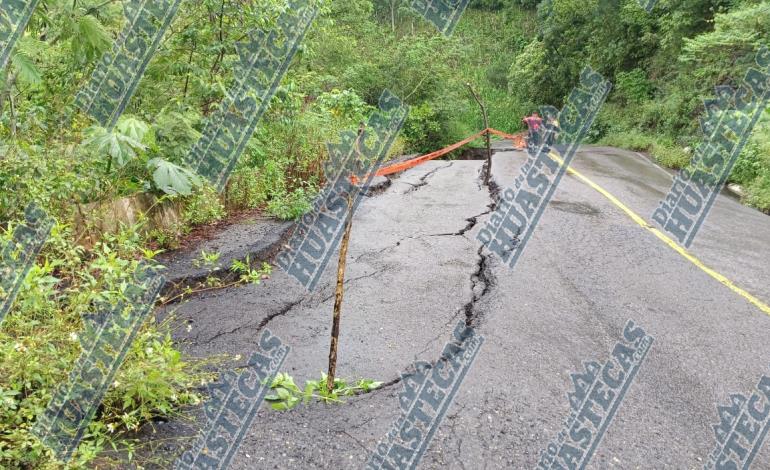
x: 663, y: 65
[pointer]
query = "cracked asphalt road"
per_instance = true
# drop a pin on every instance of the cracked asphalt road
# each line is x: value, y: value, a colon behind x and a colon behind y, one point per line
x: 414, y: 269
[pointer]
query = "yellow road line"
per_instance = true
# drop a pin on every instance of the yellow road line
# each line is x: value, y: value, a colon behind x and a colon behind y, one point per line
x: 668, y: 241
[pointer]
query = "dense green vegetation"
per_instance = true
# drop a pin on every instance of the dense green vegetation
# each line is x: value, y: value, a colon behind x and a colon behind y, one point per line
x: 662, y: 66
x: 354, y: 51
x: 517, y: 55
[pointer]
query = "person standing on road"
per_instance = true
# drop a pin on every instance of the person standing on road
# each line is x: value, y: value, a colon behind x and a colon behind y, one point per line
x: 553, y: 125
x: 533, y: 123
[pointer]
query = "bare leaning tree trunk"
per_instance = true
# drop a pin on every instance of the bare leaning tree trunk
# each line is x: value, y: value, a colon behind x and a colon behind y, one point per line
x: 486, y: 126
x: 340, y: 291
x: 338, y: 297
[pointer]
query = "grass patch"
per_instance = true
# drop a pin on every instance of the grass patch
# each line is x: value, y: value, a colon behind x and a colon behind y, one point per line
x: 758, y: 192
x: 631, y: 139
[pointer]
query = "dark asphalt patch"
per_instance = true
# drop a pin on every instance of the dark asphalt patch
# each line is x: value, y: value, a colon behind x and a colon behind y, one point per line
x: 575, y: 207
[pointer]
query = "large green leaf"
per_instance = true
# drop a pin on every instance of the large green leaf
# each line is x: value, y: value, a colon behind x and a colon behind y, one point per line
x: 121, y: 148
x: 171, y: 178
x: 90, y: 39
x: 133, y: 128
x: 28, y: 72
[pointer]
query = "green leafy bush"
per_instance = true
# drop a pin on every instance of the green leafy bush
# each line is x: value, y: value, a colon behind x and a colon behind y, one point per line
x: 245, y: 189
x: 41, y: 331
x: 748, y: 166
x: 291, y: 205
x: 758, y: 191
x: 527, y: 73
x: 633, y: 86
x: 422, y: 128
x: 203, y: 207
x: 670, y: 155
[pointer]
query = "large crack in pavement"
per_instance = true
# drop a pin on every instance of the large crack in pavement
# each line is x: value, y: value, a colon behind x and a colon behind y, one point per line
x: 262, y: 324
x: 482, y: 279
x: 472, y: 221
x: 424, y: 179
x: 403, y: 260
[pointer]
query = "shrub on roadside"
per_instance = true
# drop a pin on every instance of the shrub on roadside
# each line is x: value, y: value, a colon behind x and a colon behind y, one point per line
x: 669, y: 155
x: 204, y: 206
x: 422, y: 128
x: 758, y: 192
x: 633, y: 86
x: 755, y: 158
x: 244, y: 190
x: 41, y: 331
x: 631, y: 139
x: 291, y: 205
x: 748, y: 166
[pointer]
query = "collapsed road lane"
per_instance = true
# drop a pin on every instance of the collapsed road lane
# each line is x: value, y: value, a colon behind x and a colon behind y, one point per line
x: 408, y: 281
x: 414, y: 270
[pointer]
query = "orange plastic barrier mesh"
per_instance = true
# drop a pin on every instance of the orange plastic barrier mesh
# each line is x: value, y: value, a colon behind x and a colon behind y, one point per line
x: 517, y: 139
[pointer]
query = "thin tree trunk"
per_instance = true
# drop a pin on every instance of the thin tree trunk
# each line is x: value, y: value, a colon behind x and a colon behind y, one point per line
x: 338, y: 297
x: 486, y: 126
x: 13, y: 114
x: 189, y: 65
x: 340, y: 291
x: 393, y: 15
x: 10, y: 81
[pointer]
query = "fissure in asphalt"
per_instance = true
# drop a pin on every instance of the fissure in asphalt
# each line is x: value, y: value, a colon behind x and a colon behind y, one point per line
x: 482, y: 280
x: 424, y: 179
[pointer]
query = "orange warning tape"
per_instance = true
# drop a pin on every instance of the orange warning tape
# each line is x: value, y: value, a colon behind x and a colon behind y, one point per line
x: 517, y: 139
